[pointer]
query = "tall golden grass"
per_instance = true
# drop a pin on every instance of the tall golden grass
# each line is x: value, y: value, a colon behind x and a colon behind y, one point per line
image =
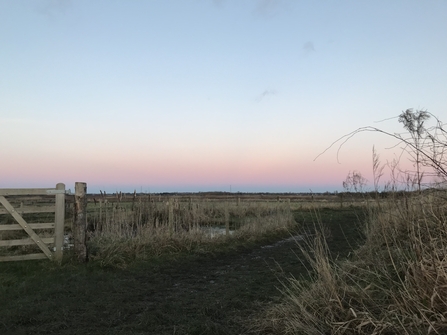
x: 396, y: 283
x: 123, y: 232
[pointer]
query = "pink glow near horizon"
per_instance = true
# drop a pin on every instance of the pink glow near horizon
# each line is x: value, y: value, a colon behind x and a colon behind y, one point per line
x: 171, y: 172
x: 127, y: 165
x: 176, y: 97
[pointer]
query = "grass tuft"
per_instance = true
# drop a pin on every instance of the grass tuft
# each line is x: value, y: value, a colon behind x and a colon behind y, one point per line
x: 396, y: 283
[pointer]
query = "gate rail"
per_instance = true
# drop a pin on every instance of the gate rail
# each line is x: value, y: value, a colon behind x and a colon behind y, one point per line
x: 58, y: 225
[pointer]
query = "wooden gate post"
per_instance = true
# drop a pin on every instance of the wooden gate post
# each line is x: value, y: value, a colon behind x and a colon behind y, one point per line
x: 80, y: 222
x: 59, y: 221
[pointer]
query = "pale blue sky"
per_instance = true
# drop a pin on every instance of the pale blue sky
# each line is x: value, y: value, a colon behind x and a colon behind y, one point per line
x: 197, y: 95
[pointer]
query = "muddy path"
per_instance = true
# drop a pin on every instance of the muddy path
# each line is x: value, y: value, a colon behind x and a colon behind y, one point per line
x: 217, y: 293
x: 192, y: 294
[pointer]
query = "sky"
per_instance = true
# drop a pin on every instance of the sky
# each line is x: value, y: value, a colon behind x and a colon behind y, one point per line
x: 203, y: 95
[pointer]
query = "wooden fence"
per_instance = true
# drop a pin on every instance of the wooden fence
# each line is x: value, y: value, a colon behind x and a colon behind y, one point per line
x: 58, y: 208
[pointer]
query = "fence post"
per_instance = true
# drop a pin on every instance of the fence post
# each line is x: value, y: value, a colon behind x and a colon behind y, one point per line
x: 80, y: 222
x: 59, y: 220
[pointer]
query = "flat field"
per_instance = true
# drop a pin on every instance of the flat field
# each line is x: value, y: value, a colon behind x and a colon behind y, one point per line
x: 208, y: 290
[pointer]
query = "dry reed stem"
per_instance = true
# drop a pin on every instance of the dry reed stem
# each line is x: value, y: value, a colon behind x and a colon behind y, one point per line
x: 395, y: 284
x: 145, y: 228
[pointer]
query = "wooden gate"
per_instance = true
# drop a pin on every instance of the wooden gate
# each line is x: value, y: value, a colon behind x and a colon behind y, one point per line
x: 57, y: 239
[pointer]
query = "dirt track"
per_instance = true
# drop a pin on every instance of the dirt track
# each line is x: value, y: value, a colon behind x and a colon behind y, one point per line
x: 218, y: 294
x: 193, y: 294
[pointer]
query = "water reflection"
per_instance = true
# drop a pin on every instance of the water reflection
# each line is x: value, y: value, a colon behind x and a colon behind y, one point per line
x: 215, y: 231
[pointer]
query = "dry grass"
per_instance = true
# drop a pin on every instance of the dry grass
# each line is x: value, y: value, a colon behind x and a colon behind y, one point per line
x: 123, y: 232
x: 396, y: 283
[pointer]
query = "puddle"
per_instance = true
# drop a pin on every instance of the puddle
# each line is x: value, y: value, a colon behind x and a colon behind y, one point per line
x: 68, y: 242
x: 215, y: 231
x: 295, y: 238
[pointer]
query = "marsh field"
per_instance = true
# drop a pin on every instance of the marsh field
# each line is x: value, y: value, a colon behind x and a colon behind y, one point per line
x: 240, y: 264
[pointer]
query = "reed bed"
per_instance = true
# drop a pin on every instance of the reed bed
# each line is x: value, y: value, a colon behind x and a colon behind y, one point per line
x: 396, y: 283
x: 121, y: 232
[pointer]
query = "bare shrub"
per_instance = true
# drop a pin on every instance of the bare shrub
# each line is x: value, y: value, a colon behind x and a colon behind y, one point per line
x: 396, y: 283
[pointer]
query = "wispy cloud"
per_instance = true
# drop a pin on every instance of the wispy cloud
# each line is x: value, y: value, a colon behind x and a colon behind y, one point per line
x: 218, y: 3
x: 266, y: 93
x: 269, y: 8
x: 264, y: 8
x: 308, y: 47
x: 51, y: 8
